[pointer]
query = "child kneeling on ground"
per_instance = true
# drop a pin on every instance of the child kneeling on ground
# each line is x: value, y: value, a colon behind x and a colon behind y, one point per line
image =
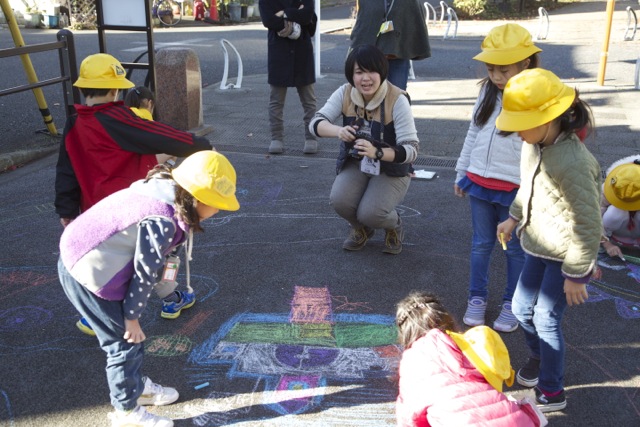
x: 451, y: 379
x: 110, y: 287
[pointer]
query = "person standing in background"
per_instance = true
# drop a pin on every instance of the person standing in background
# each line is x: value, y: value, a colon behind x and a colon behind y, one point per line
x: 396, y: 27
x: 290, y: 63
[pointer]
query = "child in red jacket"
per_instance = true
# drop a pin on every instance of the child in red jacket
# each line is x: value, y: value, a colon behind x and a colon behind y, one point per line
x: 106, y: 147
x: 446, y: 379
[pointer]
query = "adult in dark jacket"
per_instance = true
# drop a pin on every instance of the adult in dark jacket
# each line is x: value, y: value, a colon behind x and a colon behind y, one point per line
x: 290, y: 64
x: 398, y: 29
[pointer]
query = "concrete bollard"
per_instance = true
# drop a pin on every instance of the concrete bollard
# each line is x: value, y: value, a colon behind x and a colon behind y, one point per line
x: 179, y: 90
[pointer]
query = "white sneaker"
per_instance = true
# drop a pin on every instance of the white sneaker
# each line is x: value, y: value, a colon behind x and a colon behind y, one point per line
x: 155, y: 394
x: 139, y: 417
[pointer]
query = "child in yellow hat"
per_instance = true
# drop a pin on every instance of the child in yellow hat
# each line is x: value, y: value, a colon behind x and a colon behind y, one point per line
x: 557, y: 214
x: 620, y: 206
x: 105, y: 146
x: 489, y: 171
x: 112, y: 256
x: 452, y: 379
x: 141, y: 101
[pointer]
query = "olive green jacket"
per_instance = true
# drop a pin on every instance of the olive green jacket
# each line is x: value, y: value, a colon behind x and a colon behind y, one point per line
x: 558, y: 204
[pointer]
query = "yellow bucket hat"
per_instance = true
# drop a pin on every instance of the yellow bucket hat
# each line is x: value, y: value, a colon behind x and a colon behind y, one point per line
x: 507, y: 44
x: 210, y: 178
x: 532, y: 98
x: 622, y: 187
x: 102, y: 71
x: 486, y: 351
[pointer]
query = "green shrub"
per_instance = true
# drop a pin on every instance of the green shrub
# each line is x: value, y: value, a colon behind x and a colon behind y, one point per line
x: 469, y: 9
x: 504, y: 9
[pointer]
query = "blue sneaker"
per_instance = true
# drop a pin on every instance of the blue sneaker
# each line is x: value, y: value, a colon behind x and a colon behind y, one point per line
x: 172, y: 309
x: 85, y: 327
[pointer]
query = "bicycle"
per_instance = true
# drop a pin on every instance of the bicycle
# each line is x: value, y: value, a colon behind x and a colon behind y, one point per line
x: 164, y: 11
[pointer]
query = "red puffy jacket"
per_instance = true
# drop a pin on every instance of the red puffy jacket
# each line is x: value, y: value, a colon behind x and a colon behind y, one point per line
x: 106, y: 148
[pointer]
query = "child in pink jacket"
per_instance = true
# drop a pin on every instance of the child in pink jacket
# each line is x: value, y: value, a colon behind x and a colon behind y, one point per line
x: 440, y: 385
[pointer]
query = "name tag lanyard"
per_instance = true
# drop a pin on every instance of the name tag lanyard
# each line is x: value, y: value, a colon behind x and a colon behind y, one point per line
x: 386, y: 26
x: 381, y: 139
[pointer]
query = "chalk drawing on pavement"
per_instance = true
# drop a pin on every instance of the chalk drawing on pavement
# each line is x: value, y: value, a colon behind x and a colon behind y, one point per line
x: 22, y: 211
x: 179, y: 343
x: 306, y: 361
x: 626, y: 308
x: 254, y: 192
x: 23, y: 318
x: 627, y: 301
x: 24, y: 329
x: 17, y: 280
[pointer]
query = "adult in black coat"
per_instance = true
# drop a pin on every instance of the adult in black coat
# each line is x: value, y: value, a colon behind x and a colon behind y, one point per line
x: 291, y: 25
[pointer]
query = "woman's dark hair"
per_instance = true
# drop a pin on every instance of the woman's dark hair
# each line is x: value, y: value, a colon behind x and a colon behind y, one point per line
x: 490, y: 91
x: 184, y: 204
x: 417, y: 314
x: 368, y: 58
x: 136, y: 95
x: 90, y: 93
x: 577, y: 117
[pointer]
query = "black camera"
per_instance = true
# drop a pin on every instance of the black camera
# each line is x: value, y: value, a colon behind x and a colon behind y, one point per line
x: 363, y: 132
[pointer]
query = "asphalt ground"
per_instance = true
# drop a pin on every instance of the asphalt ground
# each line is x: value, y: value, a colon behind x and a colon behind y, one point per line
x: 289, y: 329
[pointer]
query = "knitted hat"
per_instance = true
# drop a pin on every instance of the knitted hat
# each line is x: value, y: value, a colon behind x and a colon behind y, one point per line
x: 622, y: 187
x: 486, y: 351
x: 102, y: 71
x: 210, y: 178
x: 507, y: 44
x: 532, y: 98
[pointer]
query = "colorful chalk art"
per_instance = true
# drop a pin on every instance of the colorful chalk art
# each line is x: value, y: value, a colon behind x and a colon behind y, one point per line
x: 308, y: 361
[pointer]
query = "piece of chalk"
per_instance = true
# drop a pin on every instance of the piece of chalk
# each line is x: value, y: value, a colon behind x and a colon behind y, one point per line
x: 504, y: 245
x: 199, y: 386
x: 622, y: 258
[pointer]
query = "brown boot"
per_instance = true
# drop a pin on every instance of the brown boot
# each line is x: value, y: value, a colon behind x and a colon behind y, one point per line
x: 393, y: 239
x: 357, y: 238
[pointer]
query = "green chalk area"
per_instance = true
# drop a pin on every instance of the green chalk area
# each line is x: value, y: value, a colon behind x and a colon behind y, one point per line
x: 342, y: 335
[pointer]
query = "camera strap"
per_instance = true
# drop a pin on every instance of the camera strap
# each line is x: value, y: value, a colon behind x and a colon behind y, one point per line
x: 381, y: 129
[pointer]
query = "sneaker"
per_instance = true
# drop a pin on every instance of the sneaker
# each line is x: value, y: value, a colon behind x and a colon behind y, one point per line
x: 139, y: 417
x: 276, y: 147
x: 155, y: 394
x: 393, y: 239
x: 172, y: 309
x: 310, y: 146
x: 529, y: 406
x: 527, y: 376
x: 550, y: 403
x: 506, y: 321
x: 357, y: 238
x: 474, y: 316
x: 85, y: 327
